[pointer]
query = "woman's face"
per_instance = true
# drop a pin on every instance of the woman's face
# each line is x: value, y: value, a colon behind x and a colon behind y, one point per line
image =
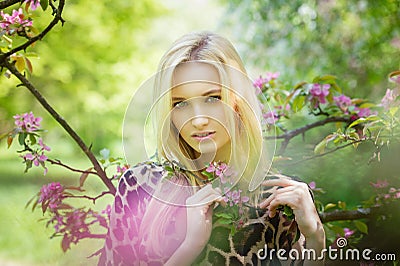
x: 198, y: 112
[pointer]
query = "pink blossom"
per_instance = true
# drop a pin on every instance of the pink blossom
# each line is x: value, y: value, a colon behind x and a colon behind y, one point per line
x: 234, y: 197
x: 27, y: 122
x: 259, y: 84
x: 272, y: 75
x: 221, y: 169
x: 389, y: 99
x: 59, y: 223
x: 33, y: 3
x: 12, y: 22
x: 271, y: 117
x: 380, y: 184
x: 348, y: 232
x: 211, y: 168
x: 120, y: 170
x: 319, y: 92
x: 43, y: 146
x: 343, y: 102
x: 52, y: 195
x: 280, y: 108
x: 395, y: 79
x: 363, y: 112
x: 37, y: 159
x: 312, y: 185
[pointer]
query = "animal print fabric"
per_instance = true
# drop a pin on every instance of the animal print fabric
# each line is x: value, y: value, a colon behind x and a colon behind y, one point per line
x: 126, y: 245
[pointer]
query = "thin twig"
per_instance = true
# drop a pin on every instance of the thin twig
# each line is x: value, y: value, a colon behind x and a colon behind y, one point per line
x: 97, y: 167
x: 93, y: 199
x: 55, y: 21
x: 58, y: 162
x: 288, y: 135
x: 326, y: 153
x: 26, y: 83
x: 7, y: 3
x: 292, y: 133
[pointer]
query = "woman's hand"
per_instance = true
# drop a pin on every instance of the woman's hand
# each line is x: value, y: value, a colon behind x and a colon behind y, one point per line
x: 297, y: 196
x: 199, y: 216
x: 198, y: 225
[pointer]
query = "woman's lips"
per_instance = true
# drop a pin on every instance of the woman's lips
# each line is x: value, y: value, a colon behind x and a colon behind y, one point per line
x: 203, y: 135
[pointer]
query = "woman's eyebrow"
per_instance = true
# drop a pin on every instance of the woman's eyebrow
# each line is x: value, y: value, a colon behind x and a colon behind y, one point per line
x: 209, y: 92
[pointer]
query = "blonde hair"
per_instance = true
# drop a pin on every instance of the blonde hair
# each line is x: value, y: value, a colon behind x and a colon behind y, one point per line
x: 237, y: 92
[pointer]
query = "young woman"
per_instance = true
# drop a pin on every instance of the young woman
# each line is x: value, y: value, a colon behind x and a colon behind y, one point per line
x: 177, y: 209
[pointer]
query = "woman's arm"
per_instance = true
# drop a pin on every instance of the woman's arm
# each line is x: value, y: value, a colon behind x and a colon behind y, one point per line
x: 297, y: 196
x: 198, y: 226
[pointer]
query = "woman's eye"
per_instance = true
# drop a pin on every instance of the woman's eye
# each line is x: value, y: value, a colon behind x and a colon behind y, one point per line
x: 213, y: 99
x: 180, y: 104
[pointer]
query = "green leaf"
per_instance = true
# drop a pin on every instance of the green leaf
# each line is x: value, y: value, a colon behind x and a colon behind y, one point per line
x: 44, y: 4
x: 337, y: 229
x: 320, y: 147
x: 223, y: 215
x: 32, y: 139
x: 288, y: 212
x: 328, y: 78
x: 224, y: 221
x: 21, y: 138
x: 342, y: 205
x: 363, y: 120
x: 329, y: 206
x: 367, y: 105
x: 361, y: 226
x: 298, y: 103
x: 168, y: 168
x: 393, y: 110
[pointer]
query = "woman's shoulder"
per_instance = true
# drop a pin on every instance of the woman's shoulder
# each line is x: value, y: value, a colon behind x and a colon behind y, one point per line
x: 144, y: 175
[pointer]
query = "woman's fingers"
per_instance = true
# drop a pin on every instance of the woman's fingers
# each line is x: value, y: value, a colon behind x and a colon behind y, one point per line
x: 292, y: 193
x: 279, y: 183
x: 268, y: 200
x: 206, y: 195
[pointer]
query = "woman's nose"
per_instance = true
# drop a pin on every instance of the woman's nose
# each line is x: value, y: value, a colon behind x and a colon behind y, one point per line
x: 199, y: 122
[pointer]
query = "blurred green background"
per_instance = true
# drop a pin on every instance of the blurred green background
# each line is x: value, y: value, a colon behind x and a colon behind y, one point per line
x: 89, y: 69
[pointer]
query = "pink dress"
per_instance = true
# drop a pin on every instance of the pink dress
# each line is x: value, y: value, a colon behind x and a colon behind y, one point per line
x: 138, y: 204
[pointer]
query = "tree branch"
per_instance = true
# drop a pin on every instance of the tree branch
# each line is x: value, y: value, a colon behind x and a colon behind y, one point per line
x: 90, y: 198
x: 7, y: 3
x: 10, y: 66
x: 340, y: 215
x: 99, y: 170
x: 58, y: 162
x: 288, y: 135
x: 57, y: 18
x: 328, y: 152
